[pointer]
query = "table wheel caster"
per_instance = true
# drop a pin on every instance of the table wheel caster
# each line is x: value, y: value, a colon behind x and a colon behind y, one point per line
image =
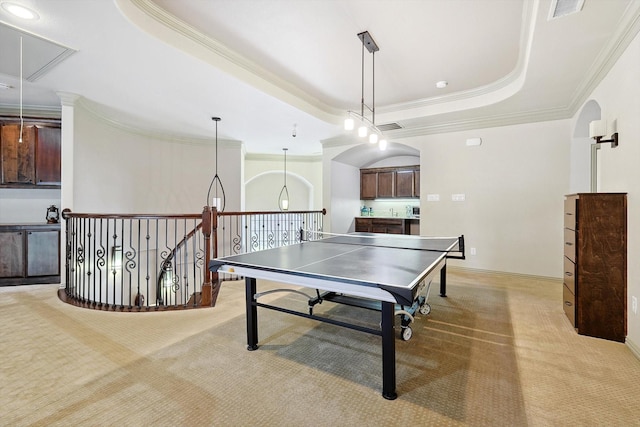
x: 406, y: 333
x: 425, y: 309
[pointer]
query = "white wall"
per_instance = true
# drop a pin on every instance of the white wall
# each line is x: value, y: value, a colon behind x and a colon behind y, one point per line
x: 264, y: 179
x: 26, y: 206
x: 618, y: 96
x: 116, y: 171
x: 514, y: 184
x: 345, y: 202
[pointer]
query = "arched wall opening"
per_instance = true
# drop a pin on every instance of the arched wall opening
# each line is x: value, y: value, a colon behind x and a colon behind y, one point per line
x: 263, y: 190
x: 345, y: 181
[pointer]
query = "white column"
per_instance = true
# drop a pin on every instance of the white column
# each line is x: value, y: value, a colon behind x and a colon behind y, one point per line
x: 68, y: 101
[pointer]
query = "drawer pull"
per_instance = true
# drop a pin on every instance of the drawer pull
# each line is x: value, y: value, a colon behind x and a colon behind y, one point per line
x: 569, y: 213
x: 568, y: 303
x: 568, y: 243
x: 567, y: 273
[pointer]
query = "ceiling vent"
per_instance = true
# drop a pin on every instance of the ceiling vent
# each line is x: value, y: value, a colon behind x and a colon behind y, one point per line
x: 560, y: 8
x: 389, y: 126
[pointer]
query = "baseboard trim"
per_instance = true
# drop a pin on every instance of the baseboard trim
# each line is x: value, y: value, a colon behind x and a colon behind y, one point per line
x: 504, y: 273
x: 635, y: 349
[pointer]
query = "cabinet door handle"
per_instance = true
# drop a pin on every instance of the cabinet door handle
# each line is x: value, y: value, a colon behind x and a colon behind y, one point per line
x: 567, y: 273
x: 568, y: 303
x: 568, y: 243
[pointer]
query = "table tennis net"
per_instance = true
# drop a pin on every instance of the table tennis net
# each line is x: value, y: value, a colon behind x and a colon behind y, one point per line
x: 453, y: 246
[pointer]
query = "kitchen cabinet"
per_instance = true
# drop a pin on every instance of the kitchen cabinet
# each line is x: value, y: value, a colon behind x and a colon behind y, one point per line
x: 386, y: 184
x: 405, y: 183
x: 48, y: 156
x: 390, y: 182
x: 383, y: 225
x: 595, y: 264
x: 18, y: 158
x: 29, y: 253
x: 11, y: 254
x: 368, y: 184
x: 34, y: 162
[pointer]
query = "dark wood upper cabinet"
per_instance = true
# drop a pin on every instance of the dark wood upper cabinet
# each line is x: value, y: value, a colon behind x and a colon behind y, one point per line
x: 404, y: 183
x: 390, y: 182
x: 18, y: 158
x: 34, y: 162
x: 368, y: 185
x: 386, y: 184
x: 48, y: 156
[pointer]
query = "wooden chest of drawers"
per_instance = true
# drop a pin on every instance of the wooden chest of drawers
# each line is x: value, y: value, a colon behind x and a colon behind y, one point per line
x: 595, y: 264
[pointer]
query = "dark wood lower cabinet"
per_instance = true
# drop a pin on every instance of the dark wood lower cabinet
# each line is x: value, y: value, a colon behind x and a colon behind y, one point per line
x: 29, y: 253
x: 383, y: 225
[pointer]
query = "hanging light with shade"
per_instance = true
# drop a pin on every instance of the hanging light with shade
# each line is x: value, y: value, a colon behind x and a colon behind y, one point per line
x: 366, y: 126
x: 21, y: 115
x: 218, y: 203
x: 283, y: 198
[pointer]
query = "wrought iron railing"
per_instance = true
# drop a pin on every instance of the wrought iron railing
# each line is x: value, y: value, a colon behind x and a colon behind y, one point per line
x: 132, y: 262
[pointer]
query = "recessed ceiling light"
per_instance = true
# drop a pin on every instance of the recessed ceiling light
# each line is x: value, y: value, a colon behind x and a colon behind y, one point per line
x: 442, y: 84
x: 20, y: 11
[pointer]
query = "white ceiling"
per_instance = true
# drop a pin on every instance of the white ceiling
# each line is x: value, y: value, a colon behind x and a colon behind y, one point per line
x: 265, y: 65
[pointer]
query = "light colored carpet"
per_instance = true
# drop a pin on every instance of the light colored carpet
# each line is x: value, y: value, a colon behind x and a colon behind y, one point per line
x: 497, y: 352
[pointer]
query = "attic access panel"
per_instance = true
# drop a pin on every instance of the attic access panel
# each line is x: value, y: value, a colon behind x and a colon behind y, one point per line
x: 38, y: 54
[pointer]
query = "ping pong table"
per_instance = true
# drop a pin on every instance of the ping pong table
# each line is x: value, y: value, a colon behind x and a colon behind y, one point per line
x: 381, y: 270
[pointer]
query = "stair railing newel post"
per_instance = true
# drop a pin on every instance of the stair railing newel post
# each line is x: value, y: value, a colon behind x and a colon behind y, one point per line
x: 206, y: 232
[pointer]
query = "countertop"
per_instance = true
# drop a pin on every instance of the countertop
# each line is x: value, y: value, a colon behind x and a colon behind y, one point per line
x: 29, y: 225
x: 389, y: 217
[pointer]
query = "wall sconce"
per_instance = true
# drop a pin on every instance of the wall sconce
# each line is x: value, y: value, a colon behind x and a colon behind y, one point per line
x: 168, y: 275
x: 116, y: 258
x: 598, y: 129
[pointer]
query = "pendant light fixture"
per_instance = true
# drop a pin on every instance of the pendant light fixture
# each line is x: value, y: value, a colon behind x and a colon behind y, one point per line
x: 21, y: 117
x: 216, y: 179
x: 366, y: 126
x: 283, y: 199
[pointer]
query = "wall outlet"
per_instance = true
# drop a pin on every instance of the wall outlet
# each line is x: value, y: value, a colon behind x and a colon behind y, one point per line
x: 634, y: 305
x: 472, y: 250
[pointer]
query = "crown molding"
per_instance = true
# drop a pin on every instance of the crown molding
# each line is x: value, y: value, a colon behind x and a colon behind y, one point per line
x: 36, y: 111
x: 278, y: 157
x: 627, y: 30
x: 100, y: 116
x: 151, y: 18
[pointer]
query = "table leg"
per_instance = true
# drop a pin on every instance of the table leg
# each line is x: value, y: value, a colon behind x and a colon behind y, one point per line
x: 388, y: 352
x: 443, y: 281
x: 252, y: 314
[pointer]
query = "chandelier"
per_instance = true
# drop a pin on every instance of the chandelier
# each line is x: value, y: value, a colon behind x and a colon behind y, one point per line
x: 367, y: 126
